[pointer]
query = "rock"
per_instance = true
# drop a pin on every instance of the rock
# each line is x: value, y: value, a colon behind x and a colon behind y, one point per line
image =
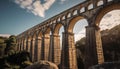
x: 43, y: 65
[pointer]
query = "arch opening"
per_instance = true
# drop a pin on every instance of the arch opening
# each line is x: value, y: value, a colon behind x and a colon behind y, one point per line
x: 100, y: 3
x: 74, y: 12
x: 47, y: 32
x: 57, y: 42
x: 90, y: 6
x: 63, y: 17
x: 108, y: 20
x: 39, y: 35
x: 82, y: 9
x: 58, y: 31
x: 77, y: 27
x: 110, y: 24
x: 68, y: 15
x: 28, y: 43
x: 33, y: 46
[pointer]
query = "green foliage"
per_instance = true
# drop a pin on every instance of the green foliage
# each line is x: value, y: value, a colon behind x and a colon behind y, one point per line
x: 1, y: 41
x: 80, y: 44
x: 12, y: 59
x: 80, y: 47
x: 10, y: 45
x: 2, y: 46
x: 17, y: 60
x: 111, y: 44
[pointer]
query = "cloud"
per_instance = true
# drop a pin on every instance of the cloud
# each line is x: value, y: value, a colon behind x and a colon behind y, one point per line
x: 110, y: 20
x: 107, y: 16
x: 80, y: 35
x: 35, y: 6
x: 62, y: 1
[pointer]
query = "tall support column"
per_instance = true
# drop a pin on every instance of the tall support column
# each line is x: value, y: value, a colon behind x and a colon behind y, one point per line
x: 32, y: 49
x: 28, y: 44
x: 24, y: 45
x: 38, y: 49
x: 42, y: 48
x: 54, y: 53
x: 68, y: 55
x: 46, y: 47
x: 18, y: 46
x: 93, y: 48
x: 21, y: 46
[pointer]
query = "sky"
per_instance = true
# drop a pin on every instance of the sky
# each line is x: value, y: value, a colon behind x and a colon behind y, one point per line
x: 17, y: 16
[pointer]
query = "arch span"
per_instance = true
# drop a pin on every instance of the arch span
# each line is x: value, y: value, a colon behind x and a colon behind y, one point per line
x: 73, y: 22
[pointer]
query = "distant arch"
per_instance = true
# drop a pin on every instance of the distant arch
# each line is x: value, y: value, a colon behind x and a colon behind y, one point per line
x: 47, y: 32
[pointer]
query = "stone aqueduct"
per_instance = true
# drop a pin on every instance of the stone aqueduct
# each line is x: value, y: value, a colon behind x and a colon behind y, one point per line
x: 45, y: 46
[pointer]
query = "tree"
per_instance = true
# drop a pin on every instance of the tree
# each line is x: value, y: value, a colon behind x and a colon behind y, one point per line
x: 10, y: 45
x: 80, y: 48
x: 2, y: 46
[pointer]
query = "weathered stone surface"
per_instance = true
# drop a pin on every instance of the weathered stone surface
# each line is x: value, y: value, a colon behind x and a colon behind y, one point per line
x: 43, y: 65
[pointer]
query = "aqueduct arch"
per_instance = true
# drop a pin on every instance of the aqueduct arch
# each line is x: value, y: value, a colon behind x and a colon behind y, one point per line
x: 100, y: 15
x: 104, y: 11
x: 73, y: 22
x: 38, y: 46
x: 55, y: 44
x: 37, y: 36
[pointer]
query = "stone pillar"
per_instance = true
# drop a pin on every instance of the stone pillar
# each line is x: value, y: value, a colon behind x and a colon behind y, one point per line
x: 21, y: 49
x: 38, y: 49
x: 42, y: 48
x: 32, y: 49
x: 93, y: 48
x: 28, y: 44
x: 18, y: 46
x: 24, y: 47
x: 46, y: 47
x: 99, y: 47
x: 54, y: 53
x: 68, y: 55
